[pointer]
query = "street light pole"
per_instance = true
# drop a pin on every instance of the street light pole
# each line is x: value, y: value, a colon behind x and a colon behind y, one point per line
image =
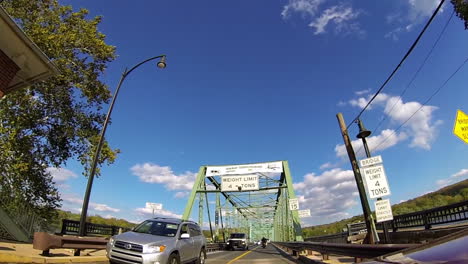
x: 161, y: 64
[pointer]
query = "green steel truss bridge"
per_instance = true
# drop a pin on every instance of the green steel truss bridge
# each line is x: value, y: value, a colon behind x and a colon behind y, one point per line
x: 249, y: 198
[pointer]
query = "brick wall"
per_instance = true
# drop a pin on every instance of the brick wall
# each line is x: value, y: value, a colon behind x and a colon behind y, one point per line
x: 8, y: 70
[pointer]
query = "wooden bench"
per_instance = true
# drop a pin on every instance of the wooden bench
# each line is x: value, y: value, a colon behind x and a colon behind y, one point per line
x: 44, y: 241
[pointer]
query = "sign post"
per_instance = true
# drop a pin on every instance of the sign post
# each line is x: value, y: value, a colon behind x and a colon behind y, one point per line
x: 293, y: 204
x: 239, y: 183
x: 376, y: 181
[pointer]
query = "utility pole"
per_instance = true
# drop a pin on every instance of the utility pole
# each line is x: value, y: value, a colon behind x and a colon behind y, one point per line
x: 363, y: 133
x: 372, y: 236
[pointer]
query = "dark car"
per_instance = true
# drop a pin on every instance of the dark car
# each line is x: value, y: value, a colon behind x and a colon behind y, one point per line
x: 451, y: 249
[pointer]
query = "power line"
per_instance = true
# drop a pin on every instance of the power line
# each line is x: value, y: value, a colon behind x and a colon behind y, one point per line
x: 401, y: 62
x: 418, y: 71
x: 427, y: 101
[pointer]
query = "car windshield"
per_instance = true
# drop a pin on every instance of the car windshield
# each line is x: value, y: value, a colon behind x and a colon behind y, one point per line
x: 157, y: 228
x: 237, y: 235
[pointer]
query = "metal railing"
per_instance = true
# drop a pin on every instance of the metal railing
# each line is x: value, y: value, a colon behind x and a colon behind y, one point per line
x: 23, y: 215
x: 427, y: 219
x: 350, y: 250
x: 72, y: 227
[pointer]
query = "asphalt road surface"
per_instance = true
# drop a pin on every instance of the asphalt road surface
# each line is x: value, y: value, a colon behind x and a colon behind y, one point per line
x: 256, y: 254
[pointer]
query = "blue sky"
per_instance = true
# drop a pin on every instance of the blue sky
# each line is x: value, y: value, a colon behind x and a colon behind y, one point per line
x: 257, y: 81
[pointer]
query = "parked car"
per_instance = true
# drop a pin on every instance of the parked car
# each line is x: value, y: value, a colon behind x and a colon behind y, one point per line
x: 238, y: 240
x: 159, y: 241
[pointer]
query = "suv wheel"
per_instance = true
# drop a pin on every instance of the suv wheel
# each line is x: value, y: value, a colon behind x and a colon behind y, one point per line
x: 173, y: 259
x: 201, y: 257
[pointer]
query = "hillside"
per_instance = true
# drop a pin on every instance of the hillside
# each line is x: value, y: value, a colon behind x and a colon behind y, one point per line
x: 454, y: 193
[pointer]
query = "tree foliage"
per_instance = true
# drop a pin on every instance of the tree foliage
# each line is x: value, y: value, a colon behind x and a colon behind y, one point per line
x: 58, y: 119
x: 461, y: 8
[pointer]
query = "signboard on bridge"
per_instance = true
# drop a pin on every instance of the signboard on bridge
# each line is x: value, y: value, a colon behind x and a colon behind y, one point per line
x: 304, y: 213
x: 239, y: 183
x: 376, y: 181
x: 371, y: 161
x: 293, y: 204
x: 460, y: 129
x: 276, y: 166
x: 383, y: 210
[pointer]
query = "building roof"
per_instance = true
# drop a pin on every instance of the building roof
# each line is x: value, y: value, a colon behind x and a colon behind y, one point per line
x: 34, y: 64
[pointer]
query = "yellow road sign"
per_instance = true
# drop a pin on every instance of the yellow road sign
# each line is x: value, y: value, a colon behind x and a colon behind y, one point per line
x: 460, y: 129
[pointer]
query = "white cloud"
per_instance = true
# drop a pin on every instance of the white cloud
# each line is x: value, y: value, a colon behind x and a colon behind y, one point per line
x: 362, y: 92
x: 340, y: 15
x: 147, y: 212
x: 304, y: 7
x: 328, y: 196
x: 386, y: 139
x: 327, y: 165
x: 152, y: 173
x: 421, y: 128
x: 61, y: 175
x: 459, y: 176
x: 414, y: 13
x: 463, y: 172
x: 70, y: 199
x: 181, y: 194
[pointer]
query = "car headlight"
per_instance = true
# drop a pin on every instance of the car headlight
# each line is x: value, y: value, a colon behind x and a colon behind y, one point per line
x: 111, y: 241
x: 227, y: 243
x: 155, y: 249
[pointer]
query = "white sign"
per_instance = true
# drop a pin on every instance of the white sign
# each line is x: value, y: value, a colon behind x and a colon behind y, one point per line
x: 239, y: 183
x: 376, y: 181
x: 383, y: 210
x: 154, y: 206
x: 304, y: 213
x: 293, y: 204
x: 371, y: 161
x: 276, y: 166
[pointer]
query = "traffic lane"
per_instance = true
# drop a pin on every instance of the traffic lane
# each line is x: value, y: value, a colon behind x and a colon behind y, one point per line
x: 223, y: 257
x: 257, y: 255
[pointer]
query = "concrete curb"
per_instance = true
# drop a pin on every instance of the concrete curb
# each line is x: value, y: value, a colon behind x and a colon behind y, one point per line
x: 12, y: 258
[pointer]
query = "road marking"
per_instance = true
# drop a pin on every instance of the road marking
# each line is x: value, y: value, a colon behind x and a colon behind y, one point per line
x: 232, y: 261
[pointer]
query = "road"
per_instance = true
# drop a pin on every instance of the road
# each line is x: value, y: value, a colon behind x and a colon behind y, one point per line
x: 256, y: 254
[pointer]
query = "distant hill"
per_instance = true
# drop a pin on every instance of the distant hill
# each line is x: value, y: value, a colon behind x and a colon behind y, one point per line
x: 454, y: 193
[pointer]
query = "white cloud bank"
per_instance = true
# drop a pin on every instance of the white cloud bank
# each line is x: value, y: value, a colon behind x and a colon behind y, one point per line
x: 152, y: 173
x: 147, y: 212
x: 328, y: 196
x: 342, y: 16
x: 456, y: 177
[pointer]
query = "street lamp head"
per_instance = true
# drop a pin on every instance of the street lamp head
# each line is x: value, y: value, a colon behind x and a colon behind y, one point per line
x: 162, y: 63
x: 363, y: 132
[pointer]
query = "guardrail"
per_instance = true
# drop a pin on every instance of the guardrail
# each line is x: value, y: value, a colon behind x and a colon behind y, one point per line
x: 427, y: 219
x: 357, y: 251
x: 72, y: 227
x: 215, y: 246
x: 46, y: 242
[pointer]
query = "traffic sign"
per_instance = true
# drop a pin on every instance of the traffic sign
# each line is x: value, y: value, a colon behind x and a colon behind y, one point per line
x: 460, y: 129
x: 371, y: 161
x: 239, y: 183
x: 304, y: 213
x: 376, y: 181
x: 293, y: 204
x: 383, y: 210
x: 154, y: 206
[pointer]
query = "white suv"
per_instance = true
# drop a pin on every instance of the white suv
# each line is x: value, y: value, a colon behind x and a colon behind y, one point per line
x: 159, y: 241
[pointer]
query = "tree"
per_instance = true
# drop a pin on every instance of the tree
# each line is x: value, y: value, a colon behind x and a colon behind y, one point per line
x: 58, y: 119
x: 461, y: 8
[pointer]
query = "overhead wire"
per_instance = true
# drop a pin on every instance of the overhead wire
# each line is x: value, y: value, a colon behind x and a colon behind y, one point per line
x: 401, y: 62
x: 419, y: 69
x: 414, y: 76
x: 427, y: 101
